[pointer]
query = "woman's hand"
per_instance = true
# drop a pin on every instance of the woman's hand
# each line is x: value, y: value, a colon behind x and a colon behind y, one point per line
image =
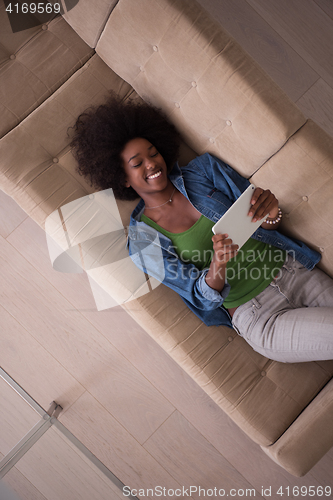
x: 224, y: 250
x: 263, y: 202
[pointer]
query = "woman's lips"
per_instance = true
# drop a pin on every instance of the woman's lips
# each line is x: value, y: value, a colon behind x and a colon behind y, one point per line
x: 154, y: 175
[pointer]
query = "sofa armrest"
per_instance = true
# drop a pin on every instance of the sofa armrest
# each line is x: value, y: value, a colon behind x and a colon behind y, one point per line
x: 308, y: 439
x: 88, y: 18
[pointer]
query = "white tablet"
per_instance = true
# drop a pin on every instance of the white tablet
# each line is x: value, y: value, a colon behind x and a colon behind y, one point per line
x: 235, y: 222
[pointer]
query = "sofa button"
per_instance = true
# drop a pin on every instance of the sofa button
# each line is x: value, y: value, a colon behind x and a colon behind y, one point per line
x: 263, y: 373
x: 228, y: 122
x: 212, y: 140
x: 321, y: 249
x: 13, y: 56
x: 230, y: 339
x: 305, y: 198
x: 44, y: 27
x: 142, y: 68
x: 286, y: 216
x: 55, y: 160
x: 91, y: 196
x: 155, y: 48
x: 177, y: 104
x: 194, y: 84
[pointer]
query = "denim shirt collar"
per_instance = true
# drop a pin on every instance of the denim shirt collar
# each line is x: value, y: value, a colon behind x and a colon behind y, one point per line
x: 139, y: 230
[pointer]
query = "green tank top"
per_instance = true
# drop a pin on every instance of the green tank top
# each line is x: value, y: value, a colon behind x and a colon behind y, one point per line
x: 248, y: 274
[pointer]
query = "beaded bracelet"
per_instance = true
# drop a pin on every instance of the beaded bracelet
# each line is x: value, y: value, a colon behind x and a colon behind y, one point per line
x: 277, y: 218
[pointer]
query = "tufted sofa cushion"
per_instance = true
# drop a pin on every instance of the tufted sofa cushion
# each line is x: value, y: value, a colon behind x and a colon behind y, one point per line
x: 43, y: 58
x: 301, y: 175
x: 184, y: 62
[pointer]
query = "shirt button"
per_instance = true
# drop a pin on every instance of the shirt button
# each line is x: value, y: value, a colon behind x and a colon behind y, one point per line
x: 305, y: 198
x: 228, y: 122
x: 155, y: 48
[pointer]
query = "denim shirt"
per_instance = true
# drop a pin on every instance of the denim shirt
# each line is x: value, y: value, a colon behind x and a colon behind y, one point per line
x: 211, y: 186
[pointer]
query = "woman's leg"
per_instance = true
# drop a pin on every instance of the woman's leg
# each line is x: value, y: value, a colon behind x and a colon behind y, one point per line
x: 292, y: 319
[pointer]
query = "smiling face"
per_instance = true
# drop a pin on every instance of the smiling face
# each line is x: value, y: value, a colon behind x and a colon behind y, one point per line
x: 145, y: 168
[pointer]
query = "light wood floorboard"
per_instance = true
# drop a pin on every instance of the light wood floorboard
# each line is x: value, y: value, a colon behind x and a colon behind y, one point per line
x: 287, y: 68
x: 292, y: 42
x: 327, y: 6
x: 180, y: 457
x: 78, y: 346
x: 19, y: 484
x: 61, y: 472
x: 21, y: 353
x: 11, y: 215
x: 311, y: 35
x: 16, y: 418
x: 317, y: 103
x: 114, y: 446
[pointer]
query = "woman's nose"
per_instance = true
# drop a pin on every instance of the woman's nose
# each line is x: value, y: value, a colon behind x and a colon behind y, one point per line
x: 150, y: 163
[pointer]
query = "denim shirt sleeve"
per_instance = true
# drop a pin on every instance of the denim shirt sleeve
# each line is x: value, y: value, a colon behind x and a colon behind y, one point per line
x: 153, y: 253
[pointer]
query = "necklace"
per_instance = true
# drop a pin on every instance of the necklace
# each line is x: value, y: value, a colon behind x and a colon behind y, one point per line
x: 169, y: 201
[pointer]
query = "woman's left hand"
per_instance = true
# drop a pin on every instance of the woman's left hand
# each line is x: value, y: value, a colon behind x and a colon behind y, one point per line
x: 263, y: 202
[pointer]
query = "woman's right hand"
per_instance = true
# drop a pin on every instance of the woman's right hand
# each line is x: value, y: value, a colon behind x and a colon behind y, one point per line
x: 224, y: 250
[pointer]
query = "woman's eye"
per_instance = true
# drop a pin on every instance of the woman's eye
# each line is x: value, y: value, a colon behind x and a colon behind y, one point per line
x: 137, y: 165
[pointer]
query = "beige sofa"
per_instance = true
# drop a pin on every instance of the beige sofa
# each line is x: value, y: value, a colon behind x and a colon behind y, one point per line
x: 171, y: 53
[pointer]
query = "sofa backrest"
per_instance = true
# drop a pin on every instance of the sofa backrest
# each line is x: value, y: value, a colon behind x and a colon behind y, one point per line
x: 177, y: 57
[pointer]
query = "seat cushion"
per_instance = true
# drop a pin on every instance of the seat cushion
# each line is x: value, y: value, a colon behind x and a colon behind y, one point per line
x: 43, y: 58
x: 36, y: 166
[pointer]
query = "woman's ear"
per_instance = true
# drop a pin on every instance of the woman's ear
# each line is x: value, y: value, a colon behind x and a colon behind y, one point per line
x: 127, y: 184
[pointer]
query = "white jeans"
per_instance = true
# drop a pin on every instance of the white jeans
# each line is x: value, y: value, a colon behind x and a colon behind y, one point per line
x: 292, y: 319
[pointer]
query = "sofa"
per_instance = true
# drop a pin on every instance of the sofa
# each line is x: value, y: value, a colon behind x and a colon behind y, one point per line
x: 172, y: 54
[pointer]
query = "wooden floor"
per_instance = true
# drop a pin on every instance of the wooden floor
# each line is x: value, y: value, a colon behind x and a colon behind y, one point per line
x: 123, y: 397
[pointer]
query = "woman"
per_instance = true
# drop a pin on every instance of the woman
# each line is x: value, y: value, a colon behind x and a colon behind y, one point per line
x: 269, y: 290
